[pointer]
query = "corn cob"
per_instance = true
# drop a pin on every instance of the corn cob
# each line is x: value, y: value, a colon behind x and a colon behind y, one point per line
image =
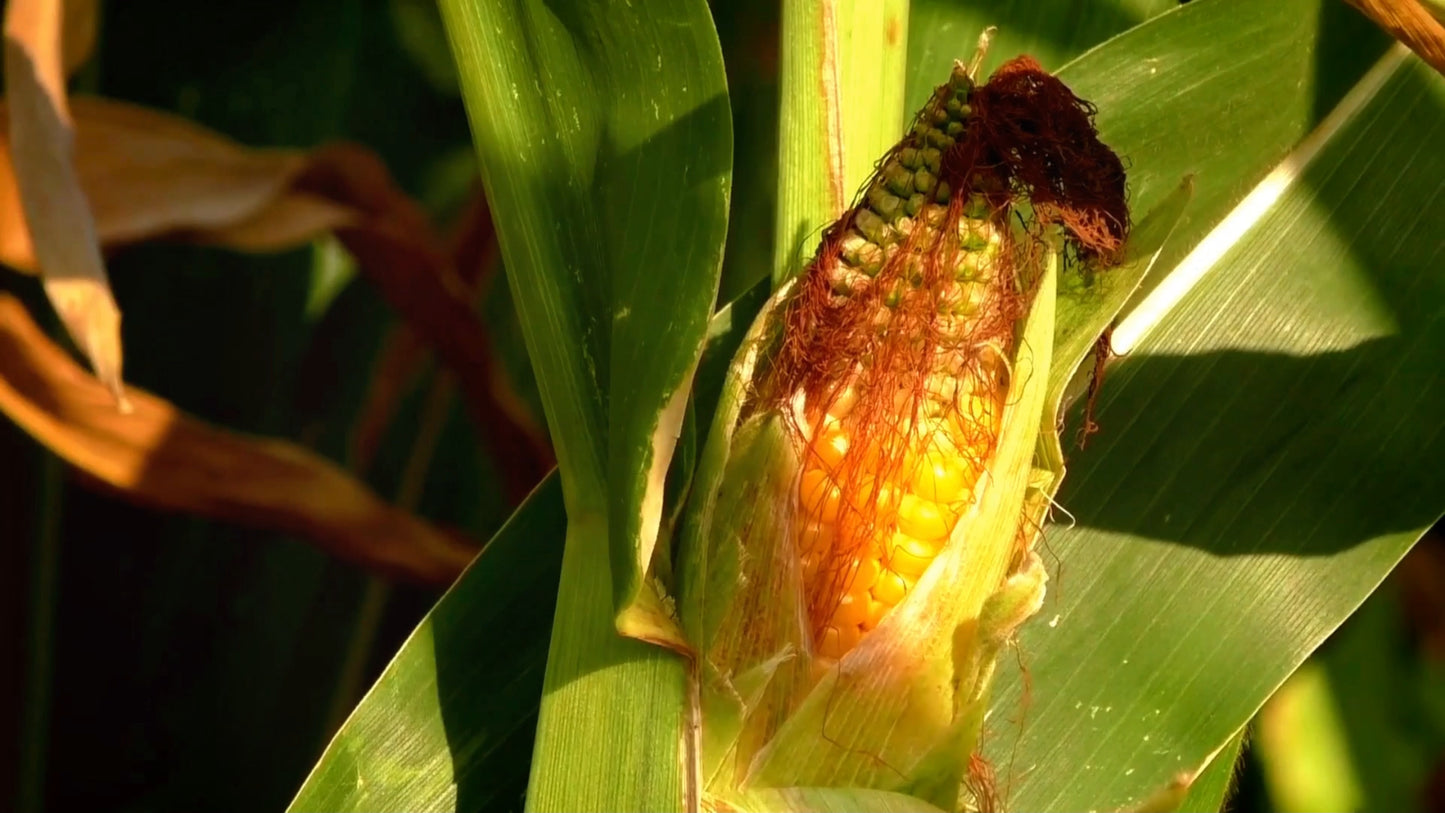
x: 899, y: 381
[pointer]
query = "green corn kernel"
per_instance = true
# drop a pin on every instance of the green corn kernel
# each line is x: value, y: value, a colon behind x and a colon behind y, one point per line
x: 885, y: 204
x: 924, y: 181
x: 871, y: 226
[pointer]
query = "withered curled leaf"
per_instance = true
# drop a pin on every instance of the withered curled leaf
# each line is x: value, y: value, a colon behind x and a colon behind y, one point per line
x: 156, y: 455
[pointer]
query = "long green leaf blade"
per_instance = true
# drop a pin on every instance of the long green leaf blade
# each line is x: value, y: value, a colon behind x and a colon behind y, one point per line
x: 604, y: 141
x: 448, y: 725
x: 1266, y: 457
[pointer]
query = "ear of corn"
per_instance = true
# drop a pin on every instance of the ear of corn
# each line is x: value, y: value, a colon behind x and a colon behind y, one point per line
x: 857, y: 548
x: 878, y: 500
x: 914, y: 688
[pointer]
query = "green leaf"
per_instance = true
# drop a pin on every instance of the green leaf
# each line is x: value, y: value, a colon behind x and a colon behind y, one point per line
x: 1268, y: 449
x: 604, y: 141
x: 448, y: 725
x: 1221, y: 90
x: 842, y: 107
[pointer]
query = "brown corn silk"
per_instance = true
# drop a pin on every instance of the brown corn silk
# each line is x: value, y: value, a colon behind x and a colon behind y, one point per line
x: 895, y: 360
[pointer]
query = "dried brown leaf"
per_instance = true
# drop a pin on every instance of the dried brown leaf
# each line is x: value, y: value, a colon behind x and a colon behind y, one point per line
x: 158, y: 456
x: 399, y: 252
x: 291, y: 220
x: 396, y: 371
x: 60, y: 225
x: 1418, y: 27
x: 78, y: 32
x: 149, y: 174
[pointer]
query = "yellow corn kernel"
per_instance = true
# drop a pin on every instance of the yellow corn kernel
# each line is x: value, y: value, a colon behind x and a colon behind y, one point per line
x: 810, y: 568
x: 943, y: 478
x: 829, y: 447
x: 876, y: 611
x: 910, y: 557
x: 830, y: 643
x: 841, y: 405
x: 815, y: 538
x: 819, y: 496
x: 891, y: 587
x: 924, y: 519
x: 852, y: 611
x: 866, y: 572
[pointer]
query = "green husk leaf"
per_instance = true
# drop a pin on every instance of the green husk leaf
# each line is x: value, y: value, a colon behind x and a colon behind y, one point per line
x: 745, y: 470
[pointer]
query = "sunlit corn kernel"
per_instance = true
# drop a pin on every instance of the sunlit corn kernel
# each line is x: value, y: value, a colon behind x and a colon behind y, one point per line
x: 883, y: 202
x: 976, y: 235
x: 829, y: 644
x: 815, y: 538
x: 852, y: 611
x: 879, y: 502
x: 865, y: 572
x: 810, y: 568
x: 818, y: 495
x: 876, y: 611
x: 848, y: 281
x: 848, y: 637
x: 933, y: 214
x: 830, y: 446
x: 852, y: 246
x: 842, y: 402
x: 942, y: 386
x: 898, y: 178
x: 924, y: 519
x: 977, y: 409
x: 891, y: 588
x: 910, y: 557
x: 871, y: 226
x: 941, y: 478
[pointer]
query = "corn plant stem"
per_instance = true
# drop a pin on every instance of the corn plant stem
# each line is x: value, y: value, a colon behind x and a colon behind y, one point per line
x: 40, y: 643
x: 842, y: 84
x: 435, y: 412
